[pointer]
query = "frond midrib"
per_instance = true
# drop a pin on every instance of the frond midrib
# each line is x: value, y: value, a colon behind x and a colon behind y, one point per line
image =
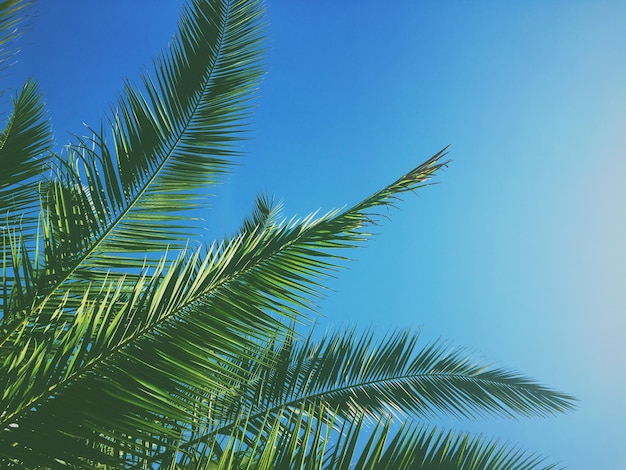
x: 320, y: 396
x: 388, y: 380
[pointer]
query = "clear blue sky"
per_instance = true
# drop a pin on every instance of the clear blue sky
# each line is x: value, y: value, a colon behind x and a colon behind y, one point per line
x: 519, y: 253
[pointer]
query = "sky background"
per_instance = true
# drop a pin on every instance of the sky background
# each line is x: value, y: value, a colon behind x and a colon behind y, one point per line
x: 518, y: 253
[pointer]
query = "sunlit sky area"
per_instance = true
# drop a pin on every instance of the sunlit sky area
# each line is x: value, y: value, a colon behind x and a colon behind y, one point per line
x: 518, y: 253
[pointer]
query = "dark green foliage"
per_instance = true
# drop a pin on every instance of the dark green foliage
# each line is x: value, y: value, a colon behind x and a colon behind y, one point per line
x: 125, y: 343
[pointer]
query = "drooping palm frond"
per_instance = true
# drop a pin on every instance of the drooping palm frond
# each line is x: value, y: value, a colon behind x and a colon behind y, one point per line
x: 355, y: 374
x: 358, y: 377
x: 133, y: 349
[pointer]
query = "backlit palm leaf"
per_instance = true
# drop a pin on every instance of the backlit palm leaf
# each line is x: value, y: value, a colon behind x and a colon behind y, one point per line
x: 25, y: 143
x: 170, y: 138
x: 295, y: 443
x: 25, y: 146
x: 348, y: 378
x: 133, y: 351
x: 125, y: 343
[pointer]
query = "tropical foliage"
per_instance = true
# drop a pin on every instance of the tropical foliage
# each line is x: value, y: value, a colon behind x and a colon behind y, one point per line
x: 127, y: 343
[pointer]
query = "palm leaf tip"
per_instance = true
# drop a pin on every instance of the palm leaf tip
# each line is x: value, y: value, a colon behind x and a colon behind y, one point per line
x: 365, y: 212
x: 191, y: 110
x: 414, y: 179
x: 25, y: 143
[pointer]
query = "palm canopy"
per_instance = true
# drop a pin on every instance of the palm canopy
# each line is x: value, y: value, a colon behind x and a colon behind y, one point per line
x: 123, y: 342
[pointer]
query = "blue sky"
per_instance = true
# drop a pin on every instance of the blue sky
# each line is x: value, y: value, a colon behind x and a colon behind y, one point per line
x: 518, y: 253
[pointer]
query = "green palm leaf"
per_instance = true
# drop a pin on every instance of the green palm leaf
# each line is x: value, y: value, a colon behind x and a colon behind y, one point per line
x: 24, y: 154
x: 123, y: 347
x: 358, y: 375
x: 292, y: 442
x: 424, y: 447
x: 359, y: 378
x: 25, y: 143
x: 123, y: 201
x: 25, y: 146
x: 174, y: 136
x: 134, y: 350
x: 203, y: 80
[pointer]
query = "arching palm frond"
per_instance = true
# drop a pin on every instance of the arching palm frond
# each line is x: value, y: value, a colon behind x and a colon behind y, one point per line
x: 349, y: 378
x: 393, y: 377
x: 109, y: 207
x: 134, y: 350
x: 126, y: 343
x: 173, y: 136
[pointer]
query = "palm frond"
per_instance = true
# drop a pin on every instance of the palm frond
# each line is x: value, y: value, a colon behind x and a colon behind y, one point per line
x: 394, y: 377
x: 170, y: 138
x: 105, y: 209
x: 121, y: 346
x: 173, y: 136
x: 359, y: 377
x: 133, y: 349
x: 289, y: 441
x: 425, y: 447
x: 25, y: 146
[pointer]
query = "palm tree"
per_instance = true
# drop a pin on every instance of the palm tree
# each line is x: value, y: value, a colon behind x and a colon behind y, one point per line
x: 126, y: 343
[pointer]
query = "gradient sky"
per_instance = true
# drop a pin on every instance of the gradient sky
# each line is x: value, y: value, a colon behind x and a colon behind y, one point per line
x: 518, y: 253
